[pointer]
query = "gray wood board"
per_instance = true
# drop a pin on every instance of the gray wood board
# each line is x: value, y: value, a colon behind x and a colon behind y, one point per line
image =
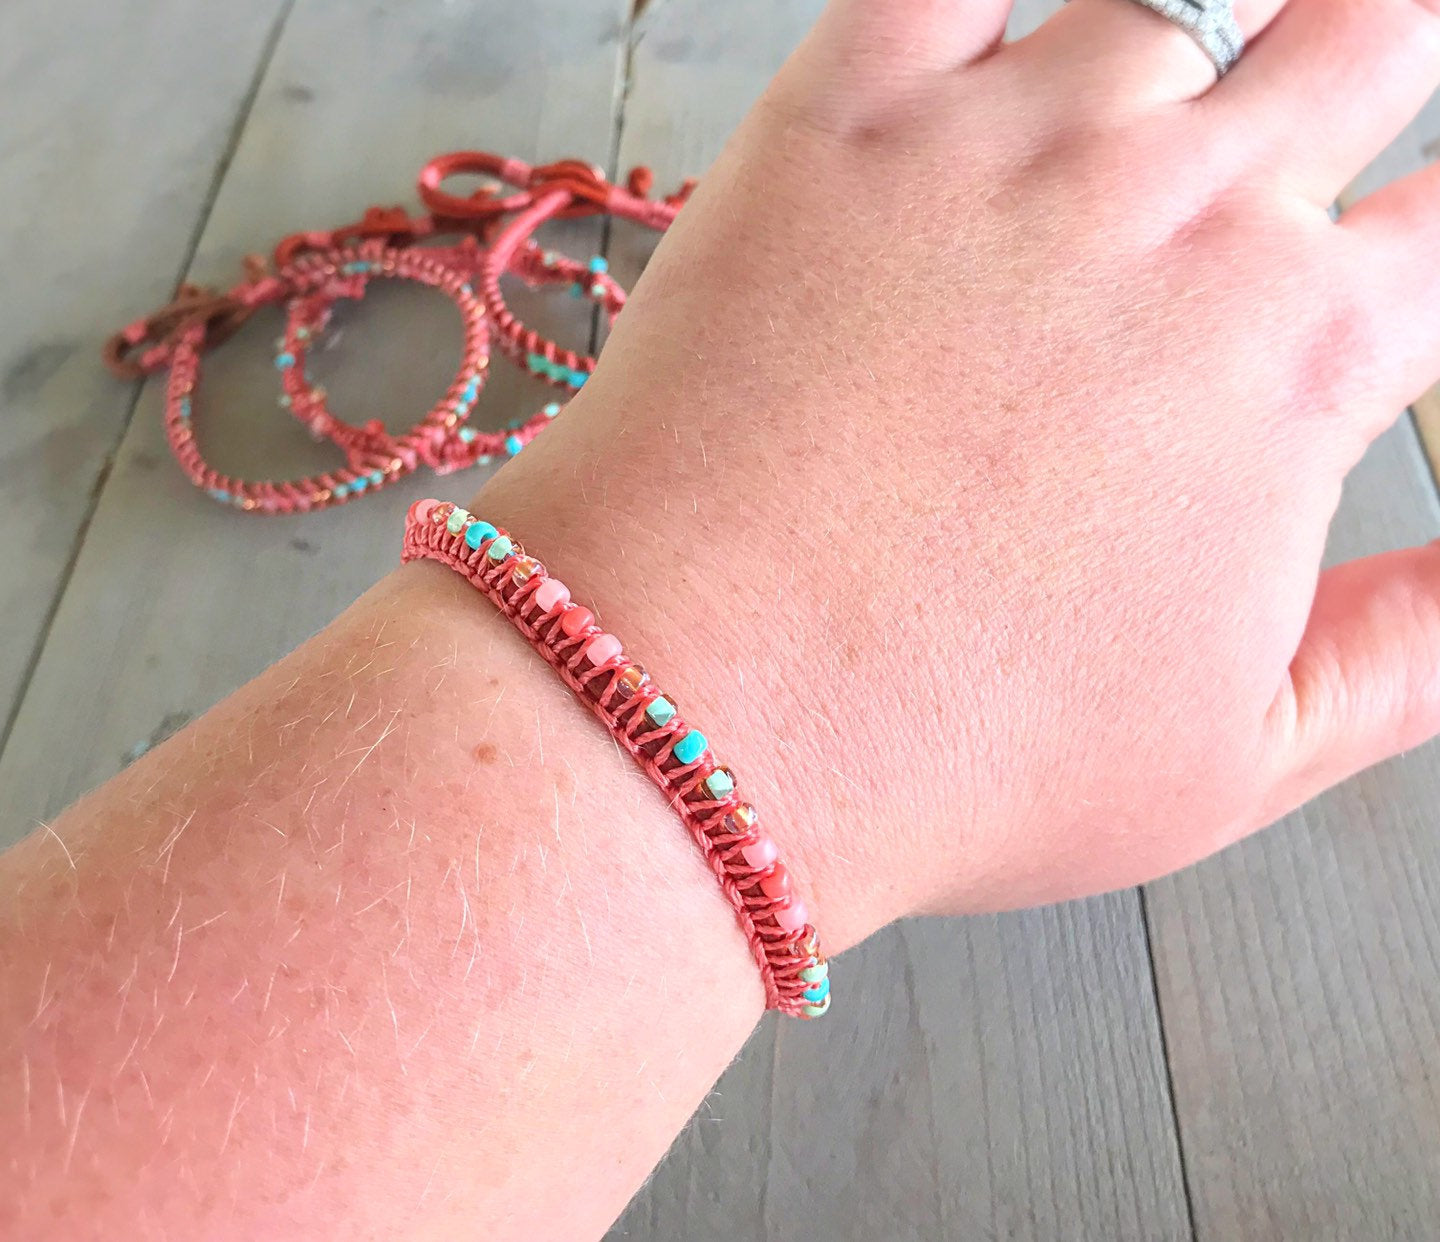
x: 998, y: 1078
x: 117, y: 122
x: 174, y: 600
x: 1297, y: 971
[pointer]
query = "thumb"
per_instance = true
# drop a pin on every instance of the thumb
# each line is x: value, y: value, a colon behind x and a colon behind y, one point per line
x: 1365, y: 683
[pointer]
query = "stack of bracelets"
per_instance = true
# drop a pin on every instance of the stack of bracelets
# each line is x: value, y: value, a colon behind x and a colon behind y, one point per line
x: 487, y: 234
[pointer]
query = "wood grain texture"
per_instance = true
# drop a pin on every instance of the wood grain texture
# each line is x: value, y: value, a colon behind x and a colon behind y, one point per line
x: 175, y: 601
x: 1298, y: 971
x: 991, y: 1078
x: 117, y: 118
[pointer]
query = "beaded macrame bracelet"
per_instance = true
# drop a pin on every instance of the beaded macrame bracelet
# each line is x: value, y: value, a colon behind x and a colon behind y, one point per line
x: 374, y: 458
x: 543, y: 358
x: 315, y: 268
x: 647, y: 724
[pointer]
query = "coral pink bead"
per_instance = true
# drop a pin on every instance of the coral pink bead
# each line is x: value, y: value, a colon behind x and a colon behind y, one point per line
x: 792, y: 916
x: 422, y: 510
x: 574, y: 621
x: 551, y: 594
x: 601, y: 648
x: 776, y: 882
x: 760, y: 854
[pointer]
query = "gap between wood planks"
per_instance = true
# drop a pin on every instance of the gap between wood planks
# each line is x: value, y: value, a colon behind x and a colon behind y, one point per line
x: 187, y: 259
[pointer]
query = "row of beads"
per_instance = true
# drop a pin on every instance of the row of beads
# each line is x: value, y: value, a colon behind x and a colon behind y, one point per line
x: 648, y: 724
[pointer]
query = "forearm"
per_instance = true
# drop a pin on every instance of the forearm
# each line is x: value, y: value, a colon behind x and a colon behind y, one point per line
x: 391, y: 943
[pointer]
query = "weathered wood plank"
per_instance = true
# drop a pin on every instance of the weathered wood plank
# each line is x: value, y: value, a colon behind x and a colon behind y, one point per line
x: 116, y: 120
x: 986, y: 1078
x: 195, y: 599
x: 1297, y: 972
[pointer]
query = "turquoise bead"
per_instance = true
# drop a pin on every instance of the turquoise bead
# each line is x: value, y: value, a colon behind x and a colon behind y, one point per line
x: 479, y: 532
x: 660, y: 711
x: 513, y: 444
x: 339, y: 491
x: 467, y: 434
x: 537, y: 362
x: 284, y: 360
x: 360, y: 484
x: 578, y: 378
x: 184, y: 407
x: 690, y: 747
x: 551, y: 409
x: 377, y: 477
x: 500, y: 549
x: 814, y: 1011
x: 817, y: 993
x: 599, y: 264
x: 813, y: 974
x: 720, y: 784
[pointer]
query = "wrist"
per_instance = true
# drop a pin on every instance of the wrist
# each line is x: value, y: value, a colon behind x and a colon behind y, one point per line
x: 734, y: 640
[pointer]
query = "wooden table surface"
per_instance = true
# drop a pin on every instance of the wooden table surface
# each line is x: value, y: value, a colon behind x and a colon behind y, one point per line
x: 1243, y: 1051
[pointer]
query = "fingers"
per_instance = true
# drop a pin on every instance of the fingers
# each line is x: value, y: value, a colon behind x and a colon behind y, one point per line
x: 1397, y: 235
x: 1327, y: 85
x: 1129, y: 55
x: 920, y: 35
x: 1365, y: 684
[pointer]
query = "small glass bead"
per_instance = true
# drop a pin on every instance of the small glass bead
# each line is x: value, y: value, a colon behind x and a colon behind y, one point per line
x: 479, y: 532
x: 814, y: 973
x: 816, y: 994
x: 742, y: 819
x: 660, y: 711
x: 760, y: 853
x: 551, y: 594
x: 814, y: 1011
x: 720, y: 783
x: 524, y: 568
x: 440, y: 514
x: 598, y: 263
x: 690, y: 747
x: 576, y: 620
x: 551, y: 409
x: 600, y: 648
x: 792, y: 915
x: 513, y: 444
x: 455, y: 523
x: 775, y: 883
x: 630, y: 681
x: 500, y: 548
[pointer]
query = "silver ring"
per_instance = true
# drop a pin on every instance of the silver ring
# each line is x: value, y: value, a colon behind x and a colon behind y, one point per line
x: 1211, y: 23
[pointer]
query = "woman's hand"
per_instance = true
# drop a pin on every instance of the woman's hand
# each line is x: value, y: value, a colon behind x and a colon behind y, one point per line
x: 968, y: 448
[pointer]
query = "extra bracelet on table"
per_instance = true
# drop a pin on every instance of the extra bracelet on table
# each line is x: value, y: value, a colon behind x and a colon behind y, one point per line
x: 647, y: 724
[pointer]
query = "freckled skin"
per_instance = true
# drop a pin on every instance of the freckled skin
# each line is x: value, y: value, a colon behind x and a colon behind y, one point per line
x: 1037, y: 372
